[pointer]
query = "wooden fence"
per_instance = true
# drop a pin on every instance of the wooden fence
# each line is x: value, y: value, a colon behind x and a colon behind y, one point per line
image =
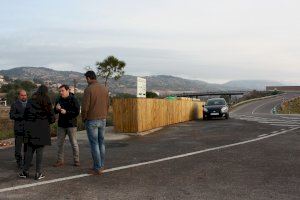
x: 137, y: 115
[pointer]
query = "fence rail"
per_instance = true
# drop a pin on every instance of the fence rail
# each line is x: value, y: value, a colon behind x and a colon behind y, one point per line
x: 138, y: 115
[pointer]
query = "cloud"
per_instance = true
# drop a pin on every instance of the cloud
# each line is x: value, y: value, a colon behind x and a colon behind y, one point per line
x: 209, y: 40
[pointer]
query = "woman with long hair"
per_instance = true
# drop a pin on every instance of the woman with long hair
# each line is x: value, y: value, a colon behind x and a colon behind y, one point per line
x: 38, y: 116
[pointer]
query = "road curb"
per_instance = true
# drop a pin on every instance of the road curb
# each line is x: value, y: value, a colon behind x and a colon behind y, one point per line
x: 110, y: 135
x: 144, y: 132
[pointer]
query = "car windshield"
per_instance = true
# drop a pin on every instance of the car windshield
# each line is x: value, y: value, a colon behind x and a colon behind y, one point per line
x: 216, y: 102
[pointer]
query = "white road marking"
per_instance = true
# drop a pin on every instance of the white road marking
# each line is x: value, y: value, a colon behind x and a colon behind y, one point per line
x: 270, y: 121
x: 263, y: 135
x: 146, y: 163
x: 287, y: 125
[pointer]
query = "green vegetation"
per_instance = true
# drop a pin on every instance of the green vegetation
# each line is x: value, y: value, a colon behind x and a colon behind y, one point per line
x: 6, y: 134
x: 125, y: 95
x: 110, y: 67
x: 151, y: 95
x: 12, y: 89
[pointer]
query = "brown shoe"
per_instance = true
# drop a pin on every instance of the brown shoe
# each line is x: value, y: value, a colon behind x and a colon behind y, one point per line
x: 93, y: 172
x: 58, y: 164
x: 77, y: 164
x: 101, y: 170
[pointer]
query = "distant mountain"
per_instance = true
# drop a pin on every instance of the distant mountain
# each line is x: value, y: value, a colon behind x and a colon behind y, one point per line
x: 127, y: 84
x: 44, y: 74
x: 251, y: 84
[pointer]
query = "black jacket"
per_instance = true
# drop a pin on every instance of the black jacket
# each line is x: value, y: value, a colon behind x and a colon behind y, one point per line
x: 71, y: 105
x: 17, y: 114
x: 37, y: 123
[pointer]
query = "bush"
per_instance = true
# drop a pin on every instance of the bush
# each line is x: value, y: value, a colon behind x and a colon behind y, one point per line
x: 6, y: 134
x: 151, y: 94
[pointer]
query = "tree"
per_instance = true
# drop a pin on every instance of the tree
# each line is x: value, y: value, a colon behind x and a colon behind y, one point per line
x: 125, y: 95
x: 151, y: 94
x: 38, y: 81
x: 110, y: 67
x: 12, y: 89
x: 11, y: 96
x: 227, y: 98
x: 6, y: 78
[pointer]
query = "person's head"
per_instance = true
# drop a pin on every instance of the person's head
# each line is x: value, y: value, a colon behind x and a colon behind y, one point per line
x: 42, y: 91
x: 64, y: 91
x: 90, y: 76
x: 42, y: 98
x: 22, y: 95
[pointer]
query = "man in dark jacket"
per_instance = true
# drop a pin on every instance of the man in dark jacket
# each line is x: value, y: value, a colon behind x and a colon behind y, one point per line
x: 68, y: 109
x: 17, y: 114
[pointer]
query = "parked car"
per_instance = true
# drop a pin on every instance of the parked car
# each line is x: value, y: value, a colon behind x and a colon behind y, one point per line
x: 215, y: 107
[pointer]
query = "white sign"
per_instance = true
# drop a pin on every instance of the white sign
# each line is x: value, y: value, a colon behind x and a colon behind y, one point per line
x: 141, y: 87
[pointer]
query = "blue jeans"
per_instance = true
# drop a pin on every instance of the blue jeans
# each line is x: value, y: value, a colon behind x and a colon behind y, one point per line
x: 95, y: 130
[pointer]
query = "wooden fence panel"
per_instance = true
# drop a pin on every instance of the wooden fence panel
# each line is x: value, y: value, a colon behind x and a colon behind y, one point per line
x: 138, y: 115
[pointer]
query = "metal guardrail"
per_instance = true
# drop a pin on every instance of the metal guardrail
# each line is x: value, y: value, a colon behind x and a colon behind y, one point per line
x: 197, y: 94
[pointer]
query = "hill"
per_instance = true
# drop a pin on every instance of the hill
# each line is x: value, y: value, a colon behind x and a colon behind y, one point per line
x: 163, y: 84
x: 252, y: 84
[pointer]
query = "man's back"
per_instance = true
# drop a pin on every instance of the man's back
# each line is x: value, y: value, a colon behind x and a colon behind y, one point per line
x: 95, y: 102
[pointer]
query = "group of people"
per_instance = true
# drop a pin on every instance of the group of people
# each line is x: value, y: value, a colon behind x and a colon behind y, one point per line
x: 32, y: 118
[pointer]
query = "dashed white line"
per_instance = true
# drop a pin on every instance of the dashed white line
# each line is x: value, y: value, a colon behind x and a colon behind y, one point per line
x: 146, y: 163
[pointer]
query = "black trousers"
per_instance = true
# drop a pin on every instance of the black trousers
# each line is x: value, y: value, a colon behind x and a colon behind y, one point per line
x: 19, y: 155
x: 39, y: 150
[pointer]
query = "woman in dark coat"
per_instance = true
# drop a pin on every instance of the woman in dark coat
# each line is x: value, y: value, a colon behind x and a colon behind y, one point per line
x: 38, y: 116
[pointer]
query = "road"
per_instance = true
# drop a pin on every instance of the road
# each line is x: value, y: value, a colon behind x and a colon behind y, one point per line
x: 253, y: 155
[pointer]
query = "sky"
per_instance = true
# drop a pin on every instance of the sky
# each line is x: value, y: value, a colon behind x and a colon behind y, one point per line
x: 214, y: 41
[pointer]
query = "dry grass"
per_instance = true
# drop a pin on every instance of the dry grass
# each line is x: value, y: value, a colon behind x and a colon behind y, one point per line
x: 7, y: 125
x: 6, y: 128
x: 290, y: 107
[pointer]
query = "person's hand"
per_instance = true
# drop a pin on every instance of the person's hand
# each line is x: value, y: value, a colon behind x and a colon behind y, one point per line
x: 63, y: 111
x: 58, y: 107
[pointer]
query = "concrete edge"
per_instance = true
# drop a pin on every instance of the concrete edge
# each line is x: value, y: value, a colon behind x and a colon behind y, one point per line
x: 144, y: 132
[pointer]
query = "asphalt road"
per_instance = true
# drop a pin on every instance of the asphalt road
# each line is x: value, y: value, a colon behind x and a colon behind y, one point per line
x: 253, y: 155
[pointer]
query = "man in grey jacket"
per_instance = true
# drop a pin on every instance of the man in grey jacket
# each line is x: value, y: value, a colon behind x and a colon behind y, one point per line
x: 17, y: 114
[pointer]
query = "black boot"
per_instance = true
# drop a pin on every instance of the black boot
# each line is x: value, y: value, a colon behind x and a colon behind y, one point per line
x: 39, y: 176
x: 19, y: 165
x: 24, y: 174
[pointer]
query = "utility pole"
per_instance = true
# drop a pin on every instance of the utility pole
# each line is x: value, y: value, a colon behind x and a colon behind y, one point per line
x: 75, y: 82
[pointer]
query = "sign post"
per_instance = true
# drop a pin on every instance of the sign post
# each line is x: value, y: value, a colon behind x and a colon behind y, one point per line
x: 141, y: 87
